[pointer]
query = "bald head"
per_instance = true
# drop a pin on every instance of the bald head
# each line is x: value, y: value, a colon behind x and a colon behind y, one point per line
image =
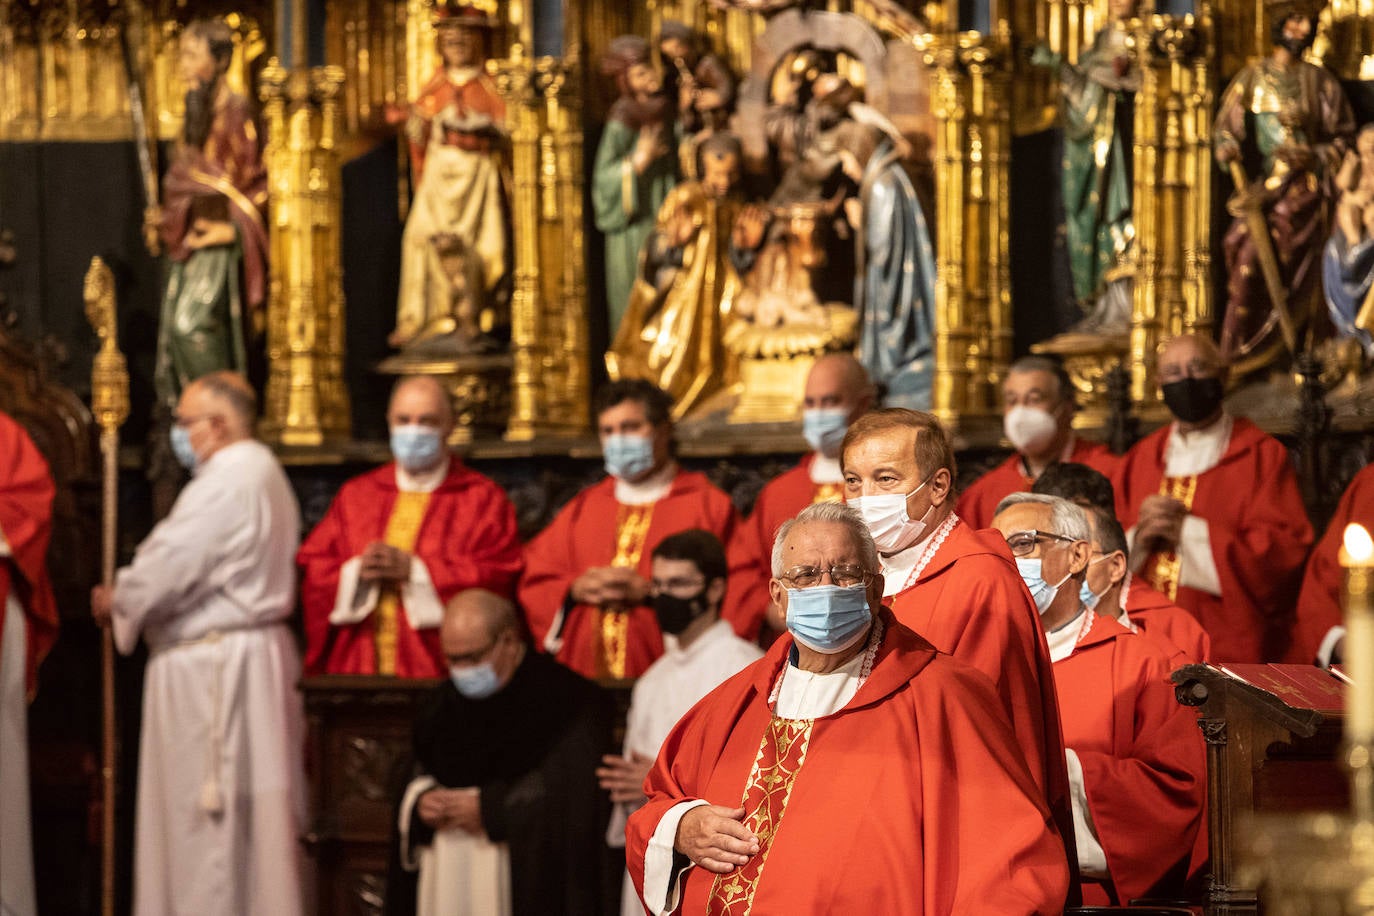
x: 482, y: 642
x: 477, y: 608
x: 837, y: 382
x: 1190, y: 351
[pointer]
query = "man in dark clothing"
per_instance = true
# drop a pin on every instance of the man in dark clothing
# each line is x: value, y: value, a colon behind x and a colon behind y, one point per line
x: 502, y: 816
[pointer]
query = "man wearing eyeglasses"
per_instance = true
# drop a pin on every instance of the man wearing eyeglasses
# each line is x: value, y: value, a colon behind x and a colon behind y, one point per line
x: 1135, y: 756
x: 1213, y: 511
x: 819, y: 779
x: 954, y: 585
x: 688, y: 582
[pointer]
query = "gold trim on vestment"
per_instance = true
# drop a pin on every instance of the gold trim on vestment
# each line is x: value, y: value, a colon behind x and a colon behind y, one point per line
x: 612, y: 632
x: 1162, y: 567
x: 402, y: 529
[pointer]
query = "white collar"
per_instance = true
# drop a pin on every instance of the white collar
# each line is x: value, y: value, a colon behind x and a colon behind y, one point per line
x: 1063, y: 640
x: 1192, y: 453
x: 825, y: 469
x: 673, y: 649
x: 422, y: 481
x: 649, y: 490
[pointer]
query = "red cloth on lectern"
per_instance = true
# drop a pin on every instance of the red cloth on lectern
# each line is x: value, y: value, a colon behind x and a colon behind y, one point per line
x: 26, y: 493
x: 970, y: 602
x: 1153, y: 613
x: 467, y: 540
x: 1319, y: 602
x: 978, y: 504
x: 583, y: 536
x: 912, y: 799
x: 1259, y: 531
x: 1144, y: 762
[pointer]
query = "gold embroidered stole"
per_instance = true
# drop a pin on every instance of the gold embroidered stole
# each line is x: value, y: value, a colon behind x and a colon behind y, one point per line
x: 402, y: 528
x: 827, y: 493
x: 781, y: 755
x: 1162, y: 567
x: 612, y: 633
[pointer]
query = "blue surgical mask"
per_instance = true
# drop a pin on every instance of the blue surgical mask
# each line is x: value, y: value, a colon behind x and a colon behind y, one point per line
x: 1087, y: 596
x: 416, y: 447
x: 477, y: 682
x: 1042, y: 593
x: 181, y: 448
x: 824, y: 429
x: 628, y: 457
x: 828, y: 618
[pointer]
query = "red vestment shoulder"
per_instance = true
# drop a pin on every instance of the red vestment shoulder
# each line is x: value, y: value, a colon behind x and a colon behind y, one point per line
x: 1153, y: 613
x: 1144, y: 762
x: 1259, y: 532
x: 780, y: 500
x: 1319, y: 602
x: 26, y: 494
x: 978, y: 504
x: 874, y: 822
x: 467, y: 539
x: 971, y: 603
x: 583, y: 536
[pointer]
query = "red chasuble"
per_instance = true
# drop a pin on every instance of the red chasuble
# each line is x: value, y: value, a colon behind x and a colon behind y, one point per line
x: 1171, y: 625
x: 26, y: 494
x: 584, y: 535
x: 1319, y: 603
x: 971, y: 603
x: 467, y: 539
x: 912, y: 799
x: 1144, y: 763
x: 1259, y: 531
x: 978, y: 504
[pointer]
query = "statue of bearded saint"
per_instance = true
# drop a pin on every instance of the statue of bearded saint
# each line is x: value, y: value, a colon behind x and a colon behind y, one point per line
x: 1287, y: 123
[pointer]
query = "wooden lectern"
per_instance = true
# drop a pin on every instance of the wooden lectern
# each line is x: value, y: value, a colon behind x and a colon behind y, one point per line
x: 1273, y: 736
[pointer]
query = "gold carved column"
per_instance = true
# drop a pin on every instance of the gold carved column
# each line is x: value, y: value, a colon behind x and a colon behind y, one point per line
x: 1172, y: 194
x: 306, y: 403
x: 973, y: 322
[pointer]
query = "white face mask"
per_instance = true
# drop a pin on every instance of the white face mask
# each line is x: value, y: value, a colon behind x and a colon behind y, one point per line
x: 886, y: 518
x: 1029, y: 429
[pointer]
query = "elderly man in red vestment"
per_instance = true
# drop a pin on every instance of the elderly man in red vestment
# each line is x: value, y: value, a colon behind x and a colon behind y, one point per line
x: 838, y: 392
x: 1318, y: 634
x: 1108, y: 586
x: 28, y: 627
x: 587, y: 574
x: 398, y: 542
x: 1038, y: 404
x: 1135, y: 755
x: 822, y: 778
x: 1216, y: 520
x: 955, y: 586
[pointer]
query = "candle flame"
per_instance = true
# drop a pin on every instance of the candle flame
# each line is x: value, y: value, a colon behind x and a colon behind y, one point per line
x: 1358, y: 544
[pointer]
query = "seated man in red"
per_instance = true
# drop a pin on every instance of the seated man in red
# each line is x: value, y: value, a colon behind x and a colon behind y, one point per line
x: 1318, y: 635
x: 1108, y: 587
x: 587, y: 574
x: 853, y: 769
x: 1135, y: 755
x: 1213, y: 512
x: 955, y: 586
x: 398, y: 542
x: 1038, y: 404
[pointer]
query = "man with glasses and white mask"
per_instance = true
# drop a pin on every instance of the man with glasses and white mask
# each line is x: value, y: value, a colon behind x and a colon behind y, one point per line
x: 1213, y: 511
x: 399, y: 541
x: 1038, y: 404
x: 830, y: 759
x: 1135, y: 756
x: 954, y: 585
x: 700, y: 651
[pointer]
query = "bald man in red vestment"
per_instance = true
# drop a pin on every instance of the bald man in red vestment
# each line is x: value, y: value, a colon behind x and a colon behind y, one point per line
x: 1038, y: 404
x: 1136, y: 757
x: 587, y: 574
x: 1214, y: 515
x: 821, y: 779
x: 1319, y: 633
x: 398, y: 542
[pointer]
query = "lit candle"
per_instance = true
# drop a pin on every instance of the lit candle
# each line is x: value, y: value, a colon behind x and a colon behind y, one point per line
x: 1357, y: 556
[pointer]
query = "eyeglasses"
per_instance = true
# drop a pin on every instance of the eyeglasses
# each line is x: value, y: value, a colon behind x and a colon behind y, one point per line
x: 841, y: 574
x: 675, y: 585
x: 1022, y: 543
x: 473, y: 658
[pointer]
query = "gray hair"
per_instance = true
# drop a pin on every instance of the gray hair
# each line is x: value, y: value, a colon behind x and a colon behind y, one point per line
x: 1066, y: 518
x: 233, y: 391
x: 830, y: 513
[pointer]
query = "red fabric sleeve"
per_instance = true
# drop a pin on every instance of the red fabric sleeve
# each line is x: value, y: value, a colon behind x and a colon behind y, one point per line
x: 1319, y: 602
x: 26, y: 495
x: 550, y: 566
x: 477, y: 547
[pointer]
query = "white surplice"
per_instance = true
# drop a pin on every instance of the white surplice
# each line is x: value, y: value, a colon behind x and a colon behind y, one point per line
x: 461, y: 874
x: 17, y: 896
x: 672, y: 685
x: 221, y: 782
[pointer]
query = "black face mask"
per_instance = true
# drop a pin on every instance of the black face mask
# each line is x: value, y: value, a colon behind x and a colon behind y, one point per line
x: 676, y: 614
x: 1193, y: 400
